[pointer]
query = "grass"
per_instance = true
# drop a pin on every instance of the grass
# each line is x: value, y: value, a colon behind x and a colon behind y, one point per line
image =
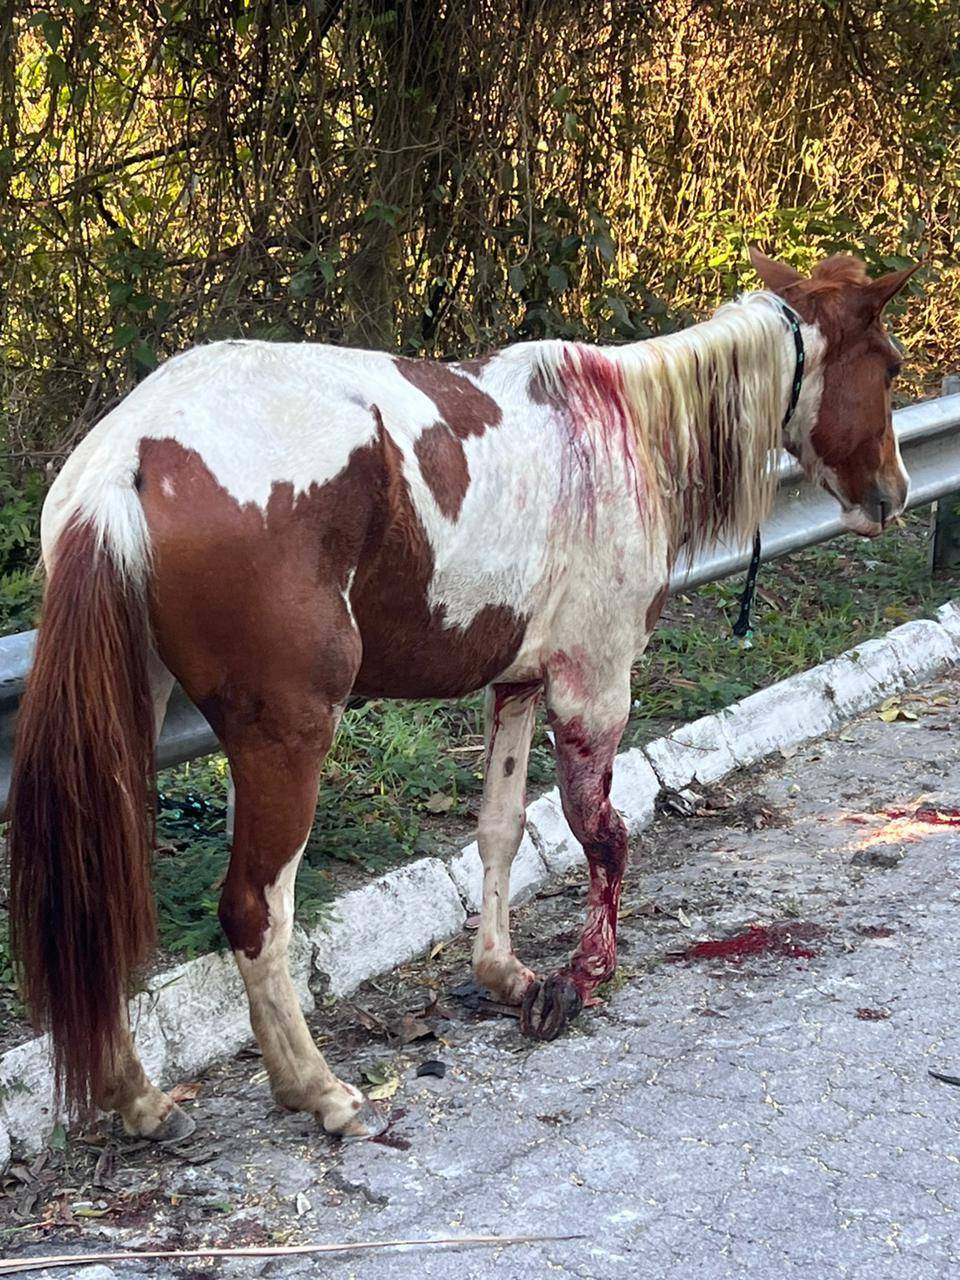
x: 397, y: 774
x: 401, y: 775
x: 811, y: 606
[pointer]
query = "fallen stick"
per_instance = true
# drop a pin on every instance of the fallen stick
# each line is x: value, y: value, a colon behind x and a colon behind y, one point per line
x: 9, y: 1267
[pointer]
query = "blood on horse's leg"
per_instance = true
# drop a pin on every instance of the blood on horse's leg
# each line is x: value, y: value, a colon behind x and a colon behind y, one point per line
x: 276, y: 789
x: 585, y: 770
x: 510, y: 711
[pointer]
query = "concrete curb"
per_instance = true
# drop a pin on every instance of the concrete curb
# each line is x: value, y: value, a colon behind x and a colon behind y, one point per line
x: 195, y: 1014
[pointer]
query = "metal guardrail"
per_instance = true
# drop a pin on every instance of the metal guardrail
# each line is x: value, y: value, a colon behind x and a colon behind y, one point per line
x: 802, y: 516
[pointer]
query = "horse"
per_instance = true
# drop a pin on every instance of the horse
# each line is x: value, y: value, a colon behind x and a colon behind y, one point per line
x: 282, y: 527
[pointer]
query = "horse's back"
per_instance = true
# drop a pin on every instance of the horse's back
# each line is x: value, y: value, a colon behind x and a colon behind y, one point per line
x: 256, y: 414
x: 290, y: 487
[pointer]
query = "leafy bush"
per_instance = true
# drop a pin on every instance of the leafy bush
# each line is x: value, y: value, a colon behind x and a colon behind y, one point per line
x: 20, y: 586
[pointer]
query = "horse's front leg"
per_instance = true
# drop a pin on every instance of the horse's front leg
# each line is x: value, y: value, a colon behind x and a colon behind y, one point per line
x: 510, y: 713
x: 586, y: 740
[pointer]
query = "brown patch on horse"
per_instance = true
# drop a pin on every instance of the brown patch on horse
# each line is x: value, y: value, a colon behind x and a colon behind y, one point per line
x: 464, y: 411
x: 836, y: 272
x: 443, y: 465
x: 853, y: 434
x: 276, y: 787
x: 537, y: 389
x: 461, y: 404
x: 408, y: 650
x: 230, y: 579
x: 80, y: 811
x: 233, y: 582
x: 655, y: 608
x: 476, y: 364
x: 832, y: 298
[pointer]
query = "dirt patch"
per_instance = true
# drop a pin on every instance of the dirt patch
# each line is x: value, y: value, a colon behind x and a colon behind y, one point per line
x: 721, y: 806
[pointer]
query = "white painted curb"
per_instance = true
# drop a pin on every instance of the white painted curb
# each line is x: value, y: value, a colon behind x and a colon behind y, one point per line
x: 196, y: 1014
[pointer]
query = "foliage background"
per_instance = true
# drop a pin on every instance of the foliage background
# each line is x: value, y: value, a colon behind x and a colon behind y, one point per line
x: 443, y: 177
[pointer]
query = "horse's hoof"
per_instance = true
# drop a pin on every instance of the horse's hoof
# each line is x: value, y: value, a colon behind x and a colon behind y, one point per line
x: 549, y: 1006
x: 367, y: 1123
x: 175, y: 1126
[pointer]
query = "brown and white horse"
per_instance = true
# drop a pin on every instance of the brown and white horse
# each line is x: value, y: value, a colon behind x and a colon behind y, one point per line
x: 281, y: 526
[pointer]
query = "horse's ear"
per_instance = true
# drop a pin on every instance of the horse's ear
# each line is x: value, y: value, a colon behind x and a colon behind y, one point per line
x: 777, y: 276
x: 879, y: 292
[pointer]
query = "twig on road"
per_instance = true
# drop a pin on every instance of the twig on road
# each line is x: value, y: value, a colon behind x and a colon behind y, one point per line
x: 9, y: 1267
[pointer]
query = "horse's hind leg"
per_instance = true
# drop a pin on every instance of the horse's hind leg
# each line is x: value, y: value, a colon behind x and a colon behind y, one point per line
x: 510, y: 711
x: 251, y: 611
x: 276, y: 789
x: 276, y: 713
x: 144, y: 1109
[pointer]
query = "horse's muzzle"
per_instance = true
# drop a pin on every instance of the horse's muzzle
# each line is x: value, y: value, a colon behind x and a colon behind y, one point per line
x: 880, y: 506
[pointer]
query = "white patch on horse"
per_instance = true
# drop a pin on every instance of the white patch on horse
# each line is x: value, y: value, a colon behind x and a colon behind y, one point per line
x: 299, y: 1076
x: 167, y: 487
x: 509, y: 728
x: 487, y: 556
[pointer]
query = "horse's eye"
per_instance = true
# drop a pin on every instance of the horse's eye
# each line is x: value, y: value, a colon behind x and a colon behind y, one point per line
x: 893, y: 371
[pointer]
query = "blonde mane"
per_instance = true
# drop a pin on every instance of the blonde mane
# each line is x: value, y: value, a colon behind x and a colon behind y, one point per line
x: 703, y: 410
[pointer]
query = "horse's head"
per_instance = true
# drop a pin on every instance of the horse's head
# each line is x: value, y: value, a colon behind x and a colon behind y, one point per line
x: 845, y: 439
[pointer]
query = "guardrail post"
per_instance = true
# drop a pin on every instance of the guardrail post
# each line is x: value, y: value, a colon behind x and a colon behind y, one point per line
x: 945, y: 543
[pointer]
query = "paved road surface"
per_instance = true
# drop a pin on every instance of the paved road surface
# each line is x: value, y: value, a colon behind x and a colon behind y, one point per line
x: 767, y: 1114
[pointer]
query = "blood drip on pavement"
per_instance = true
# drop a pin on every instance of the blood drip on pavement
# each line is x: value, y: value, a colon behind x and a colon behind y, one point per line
x: 930, y: 815
x: 388, y: 1139
x: 758, y: 940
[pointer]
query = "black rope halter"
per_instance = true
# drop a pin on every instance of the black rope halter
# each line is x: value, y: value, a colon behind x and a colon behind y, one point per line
x: 742, y: 628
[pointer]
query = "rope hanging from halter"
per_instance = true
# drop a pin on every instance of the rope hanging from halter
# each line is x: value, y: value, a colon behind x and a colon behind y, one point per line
x: 742, y: 628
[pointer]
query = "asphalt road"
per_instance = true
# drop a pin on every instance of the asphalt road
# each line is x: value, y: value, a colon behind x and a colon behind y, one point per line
x: 757, y: 1108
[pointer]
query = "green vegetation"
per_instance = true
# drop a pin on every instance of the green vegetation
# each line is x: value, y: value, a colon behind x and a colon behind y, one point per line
x: 20, y: 498
x: 812, y: 606
x: 442, y: 179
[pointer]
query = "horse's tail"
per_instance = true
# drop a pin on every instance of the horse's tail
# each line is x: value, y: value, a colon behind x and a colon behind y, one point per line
x: 81, y: 798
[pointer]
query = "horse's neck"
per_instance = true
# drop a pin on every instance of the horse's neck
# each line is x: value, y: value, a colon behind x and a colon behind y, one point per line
x: 707, y: 405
